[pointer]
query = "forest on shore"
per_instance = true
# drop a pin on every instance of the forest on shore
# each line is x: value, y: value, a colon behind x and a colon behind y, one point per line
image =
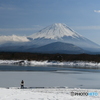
x: 49, y: 57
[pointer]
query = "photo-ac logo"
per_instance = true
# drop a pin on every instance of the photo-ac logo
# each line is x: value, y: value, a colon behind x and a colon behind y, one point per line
x: 84, y: 94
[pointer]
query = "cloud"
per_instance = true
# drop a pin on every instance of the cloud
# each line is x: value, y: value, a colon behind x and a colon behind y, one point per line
x: 7, y: 7
x: 17, y: 29
x: 87, y: 27
x: 97, y: 11
x: 36, y: 27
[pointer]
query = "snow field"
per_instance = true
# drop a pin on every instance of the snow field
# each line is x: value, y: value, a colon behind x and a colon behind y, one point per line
x: 45, y: 94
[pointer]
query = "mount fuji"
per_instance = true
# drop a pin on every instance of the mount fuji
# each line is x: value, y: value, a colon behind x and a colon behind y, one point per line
x: 61, y: 33
x: 56, y: 38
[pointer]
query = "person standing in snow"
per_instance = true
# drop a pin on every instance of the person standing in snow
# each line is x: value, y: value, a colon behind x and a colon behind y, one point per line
x: 22, y: 84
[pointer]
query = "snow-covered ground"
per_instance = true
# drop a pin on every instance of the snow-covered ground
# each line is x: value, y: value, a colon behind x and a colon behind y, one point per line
x: 76, y: 64
x: 47, y: 94
x: 76, y: 80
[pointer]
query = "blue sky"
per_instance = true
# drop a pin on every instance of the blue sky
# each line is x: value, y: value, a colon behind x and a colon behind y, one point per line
x: 25, y: 17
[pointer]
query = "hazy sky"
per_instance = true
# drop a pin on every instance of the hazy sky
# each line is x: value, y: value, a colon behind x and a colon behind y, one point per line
x: 24, y: 17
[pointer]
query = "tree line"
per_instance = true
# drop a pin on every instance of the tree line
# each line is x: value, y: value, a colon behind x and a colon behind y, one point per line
x: 49, y: 57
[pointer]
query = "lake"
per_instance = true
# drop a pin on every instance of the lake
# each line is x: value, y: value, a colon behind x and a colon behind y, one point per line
x: 49, y: 76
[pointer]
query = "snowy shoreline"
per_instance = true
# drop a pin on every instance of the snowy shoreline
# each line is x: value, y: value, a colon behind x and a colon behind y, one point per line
x: 72, y: 64
x: 48, y: 94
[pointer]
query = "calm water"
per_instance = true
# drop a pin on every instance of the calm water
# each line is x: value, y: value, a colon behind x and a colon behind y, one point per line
x: 49, y: 76
x: 43, y: 68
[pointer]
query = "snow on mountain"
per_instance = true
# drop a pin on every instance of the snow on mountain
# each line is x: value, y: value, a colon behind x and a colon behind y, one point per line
x: 61, y: 33
x: 13, y: 38
x: 55, y: 31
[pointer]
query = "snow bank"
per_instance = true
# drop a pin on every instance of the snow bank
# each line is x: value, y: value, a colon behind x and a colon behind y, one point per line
x: 46, y: 94
x: 75, y: 64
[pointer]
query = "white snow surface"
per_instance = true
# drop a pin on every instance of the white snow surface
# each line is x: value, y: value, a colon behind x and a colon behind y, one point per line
x: 46, y: 94
x: 76, y: 64
x: 55, y: 31
x: 13, y: 38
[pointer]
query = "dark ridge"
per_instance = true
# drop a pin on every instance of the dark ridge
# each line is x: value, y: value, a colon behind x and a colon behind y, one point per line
x: 49, y: 57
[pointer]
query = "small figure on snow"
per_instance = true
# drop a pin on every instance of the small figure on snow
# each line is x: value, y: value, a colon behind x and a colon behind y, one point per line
x: 22, y: 84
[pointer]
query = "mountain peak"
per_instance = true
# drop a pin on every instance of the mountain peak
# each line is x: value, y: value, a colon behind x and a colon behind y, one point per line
x: 55, y: 31
x: 58, y: 24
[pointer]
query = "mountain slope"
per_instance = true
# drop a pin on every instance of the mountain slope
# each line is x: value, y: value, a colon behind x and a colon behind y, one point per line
x: 61, y: 33
x: 55, y: 31
x: 56, y: 38
x: 58, y: 47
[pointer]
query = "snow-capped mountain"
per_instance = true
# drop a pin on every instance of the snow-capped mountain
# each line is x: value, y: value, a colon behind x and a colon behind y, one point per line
x: 56, y: 37
x: 61, y: 33
x: 55, y: 31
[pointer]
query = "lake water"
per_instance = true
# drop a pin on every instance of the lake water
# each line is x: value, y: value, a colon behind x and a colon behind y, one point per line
x: 49, y: 76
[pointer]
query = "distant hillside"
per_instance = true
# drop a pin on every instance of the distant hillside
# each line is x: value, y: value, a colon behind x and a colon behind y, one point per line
x: 58, y: 47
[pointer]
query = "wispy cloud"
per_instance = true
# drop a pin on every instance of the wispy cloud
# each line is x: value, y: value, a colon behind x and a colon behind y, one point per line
x: 17, y: 29
x: 35, y: 28
x: 7, y: 7
x: 97, y: 11
x: 87, y: 27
